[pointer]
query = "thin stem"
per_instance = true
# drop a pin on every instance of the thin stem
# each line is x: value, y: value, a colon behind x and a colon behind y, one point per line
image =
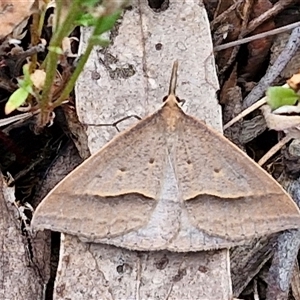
x: 35, y: 36
x: 58, y: 12
x: 71, y: 82
x: 42, y: 18
x: 83, y: 59
x: 52, y: 57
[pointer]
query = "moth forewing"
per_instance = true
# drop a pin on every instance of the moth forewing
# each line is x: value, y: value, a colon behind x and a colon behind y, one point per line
x: 169, y: 182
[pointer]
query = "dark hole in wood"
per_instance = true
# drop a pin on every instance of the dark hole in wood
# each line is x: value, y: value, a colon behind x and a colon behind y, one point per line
x: 203, y: 269
x: 217, y: 170
x: 162, y: 263
x: 158, y: 46
x: 158, y: 5
x: 120, y: 269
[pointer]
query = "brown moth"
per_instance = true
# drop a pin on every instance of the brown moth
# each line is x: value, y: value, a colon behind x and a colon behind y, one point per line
x: 169, y: 182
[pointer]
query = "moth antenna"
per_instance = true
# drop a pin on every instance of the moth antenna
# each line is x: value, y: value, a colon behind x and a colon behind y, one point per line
x: 173, y: 80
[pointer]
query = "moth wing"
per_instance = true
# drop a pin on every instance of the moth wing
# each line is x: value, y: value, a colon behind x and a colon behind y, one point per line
x: 112, y: 192
x: 226, y: 194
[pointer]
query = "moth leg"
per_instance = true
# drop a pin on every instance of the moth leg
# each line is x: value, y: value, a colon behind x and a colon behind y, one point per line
x: 115, y: 124
x: 181, y: 101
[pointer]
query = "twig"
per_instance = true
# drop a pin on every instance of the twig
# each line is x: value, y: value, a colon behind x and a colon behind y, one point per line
x: 285, y: 255
x: 272, y: 12
x: 221, y: 17
x: 277, y: 8
x: 284, y: 57
x: 274, y: 149
x: 7, y: 121
x: 245, y: 112
x: 247, y: 10
x: 257, y: 36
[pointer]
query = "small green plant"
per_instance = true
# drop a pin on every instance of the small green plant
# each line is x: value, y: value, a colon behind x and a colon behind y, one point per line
x: 101, y: 15
x: 278, y: 96
x: 19, y: 97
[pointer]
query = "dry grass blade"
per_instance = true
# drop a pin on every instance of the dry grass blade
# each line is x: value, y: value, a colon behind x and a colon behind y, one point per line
x: 245, y: 112
x: 257, y: 36
x: 274, y: 149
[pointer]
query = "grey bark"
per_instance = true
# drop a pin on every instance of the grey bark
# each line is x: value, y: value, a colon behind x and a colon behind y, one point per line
x: 20, y: 276
x: 134, y: 72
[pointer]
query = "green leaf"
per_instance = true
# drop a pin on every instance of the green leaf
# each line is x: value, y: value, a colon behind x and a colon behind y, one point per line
x: 278, y: 96
x: 26, y: 85
x: 97, y: 40
x: 16, y: 99
x: 107, y: 22
x: 26, y: 79
x: 28, y: 88
x: 86, y: 20
x: 90, y: 3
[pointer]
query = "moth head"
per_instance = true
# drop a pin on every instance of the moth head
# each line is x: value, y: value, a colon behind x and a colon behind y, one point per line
x: 171, y: 97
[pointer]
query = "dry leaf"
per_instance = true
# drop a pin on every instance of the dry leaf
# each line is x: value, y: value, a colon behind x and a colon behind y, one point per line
x: 287, y: 109
x: 280, y: 122
x: 38, y: 78
x: 294, y: 82
x: 12, y: 14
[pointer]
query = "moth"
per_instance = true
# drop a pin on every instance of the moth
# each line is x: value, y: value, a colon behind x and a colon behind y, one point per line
x: 169, y: 182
